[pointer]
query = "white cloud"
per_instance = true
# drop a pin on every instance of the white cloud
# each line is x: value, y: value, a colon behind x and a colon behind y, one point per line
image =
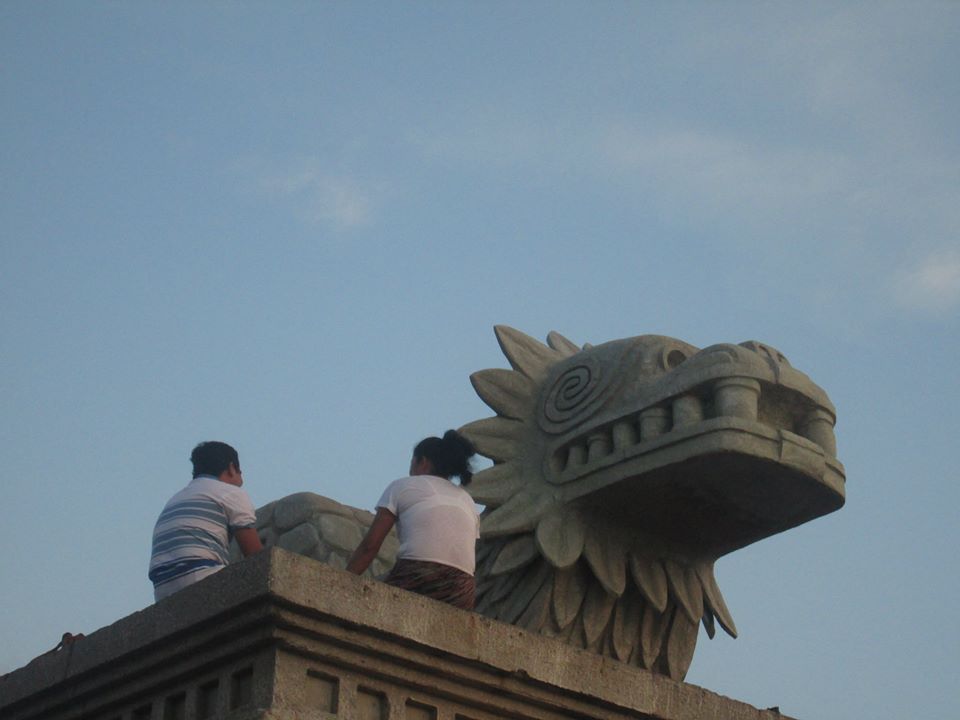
x: 340, y: 202
x: 291, y: 183
x: 723, y: 170
x: 671, y: 161
x: 933, y: 284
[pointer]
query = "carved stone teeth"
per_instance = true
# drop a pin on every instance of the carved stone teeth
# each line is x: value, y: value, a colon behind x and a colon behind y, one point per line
x: 817, y: 426
x: 654, y: 421
x: 737, y: 397
x: 687, y: 410
x: 598, y: 446
x: 733, y: 397
x: 577, y: 455
x: 624, y: 434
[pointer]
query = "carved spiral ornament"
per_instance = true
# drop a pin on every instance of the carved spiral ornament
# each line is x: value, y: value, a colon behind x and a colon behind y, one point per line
x: 571, y: 396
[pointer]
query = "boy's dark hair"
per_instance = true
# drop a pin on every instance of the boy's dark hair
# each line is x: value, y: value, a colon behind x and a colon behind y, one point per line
x: 449, y: 455
x: 213, y: 458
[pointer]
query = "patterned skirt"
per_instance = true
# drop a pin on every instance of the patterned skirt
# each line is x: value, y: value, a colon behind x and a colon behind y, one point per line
x: 440, y: 582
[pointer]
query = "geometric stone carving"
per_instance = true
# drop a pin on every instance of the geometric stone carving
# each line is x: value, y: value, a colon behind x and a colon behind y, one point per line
x: 630, y: 467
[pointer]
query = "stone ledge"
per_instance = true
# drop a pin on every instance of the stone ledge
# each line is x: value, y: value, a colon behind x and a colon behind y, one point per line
x: 295, y: 604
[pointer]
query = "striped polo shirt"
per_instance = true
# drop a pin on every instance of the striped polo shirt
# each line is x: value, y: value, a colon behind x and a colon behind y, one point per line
x: 194, y: 529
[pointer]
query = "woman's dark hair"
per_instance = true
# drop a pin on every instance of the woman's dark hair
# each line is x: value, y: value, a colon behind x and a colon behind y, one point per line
x: 213, y: 458
x: 449, y: 455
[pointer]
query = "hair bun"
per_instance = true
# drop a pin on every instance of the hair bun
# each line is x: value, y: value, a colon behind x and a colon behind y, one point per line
x: 450, y: 455
x: 455, y: 440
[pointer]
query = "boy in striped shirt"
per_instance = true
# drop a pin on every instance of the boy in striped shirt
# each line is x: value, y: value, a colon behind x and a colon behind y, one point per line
x: 191, y: 539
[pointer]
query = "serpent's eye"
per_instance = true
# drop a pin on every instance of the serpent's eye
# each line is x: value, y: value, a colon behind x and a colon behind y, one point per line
x: 673, y: 358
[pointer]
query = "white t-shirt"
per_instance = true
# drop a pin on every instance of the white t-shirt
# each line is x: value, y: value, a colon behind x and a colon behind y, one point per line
x: 436, y: 520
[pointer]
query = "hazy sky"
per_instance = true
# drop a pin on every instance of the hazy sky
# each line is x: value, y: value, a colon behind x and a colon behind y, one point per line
x: 292, y: 226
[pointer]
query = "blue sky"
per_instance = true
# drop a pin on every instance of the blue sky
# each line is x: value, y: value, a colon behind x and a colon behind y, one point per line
x: 293, y: 227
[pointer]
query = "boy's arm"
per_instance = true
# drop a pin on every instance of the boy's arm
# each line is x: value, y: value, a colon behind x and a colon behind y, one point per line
x: 248, y: 540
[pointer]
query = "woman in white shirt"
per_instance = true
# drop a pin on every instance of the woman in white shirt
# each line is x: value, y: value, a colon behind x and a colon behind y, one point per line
x: 437, y: 524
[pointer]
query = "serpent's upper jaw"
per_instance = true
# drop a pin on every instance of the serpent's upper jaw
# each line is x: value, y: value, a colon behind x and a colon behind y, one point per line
x: 729, y: 440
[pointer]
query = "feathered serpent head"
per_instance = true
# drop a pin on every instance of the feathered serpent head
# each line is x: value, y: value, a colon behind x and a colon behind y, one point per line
x: 703, y: 451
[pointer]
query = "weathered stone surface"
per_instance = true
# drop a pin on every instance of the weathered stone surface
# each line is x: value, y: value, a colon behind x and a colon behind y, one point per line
x: 268, y: 536
x: 300, y: 507
x: 301, y: 539
x: 337, y: 560
x: 340, y: 532
x: 265, y: 514
x: 281, y: 636
x: 363, y: 517
x: 388, y: 551
x: 322, y: 552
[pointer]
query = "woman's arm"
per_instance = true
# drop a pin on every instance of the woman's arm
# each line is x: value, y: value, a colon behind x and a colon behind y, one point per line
x: 370, y: 545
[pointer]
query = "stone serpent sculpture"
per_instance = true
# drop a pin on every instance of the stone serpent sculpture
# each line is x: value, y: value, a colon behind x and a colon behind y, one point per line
x: 621, y: 473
